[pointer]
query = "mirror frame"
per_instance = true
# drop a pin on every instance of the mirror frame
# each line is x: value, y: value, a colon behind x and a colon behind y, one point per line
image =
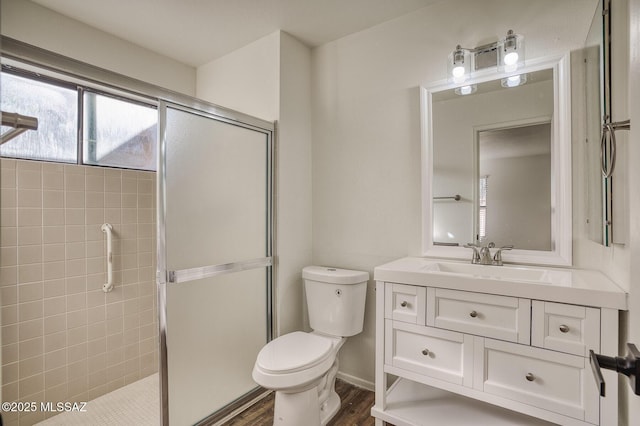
x: 561, y: 200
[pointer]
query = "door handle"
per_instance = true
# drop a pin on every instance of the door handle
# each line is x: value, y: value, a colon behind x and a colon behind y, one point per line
x: 629, y: 366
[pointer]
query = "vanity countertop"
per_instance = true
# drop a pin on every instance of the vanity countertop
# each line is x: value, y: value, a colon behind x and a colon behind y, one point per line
x: 574, y: 286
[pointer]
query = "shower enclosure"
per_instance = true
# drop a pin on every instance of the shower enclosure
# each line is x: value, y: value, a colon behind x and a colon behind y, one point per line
x: 63, y: 338
x: 214, y: 258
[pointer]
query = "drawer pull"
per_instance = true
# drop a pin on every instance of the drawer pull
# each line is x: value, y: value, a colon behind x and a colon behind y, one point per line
x: 530, y: 377
x: 404, y: 304
x: 425, y: 352
x: 473, y: 314
x: 564, y: 328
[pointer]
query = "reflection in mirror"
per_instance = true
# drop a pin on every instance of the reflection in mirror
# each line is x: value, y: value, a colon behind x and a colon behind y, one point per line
x: 497, y: 165
x: 515, y: 186
x: 498, y: 159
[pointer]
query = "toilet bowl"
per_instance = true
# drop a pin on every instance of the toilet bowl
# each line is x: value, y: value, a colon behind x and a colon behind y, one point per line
x: 302, y: 367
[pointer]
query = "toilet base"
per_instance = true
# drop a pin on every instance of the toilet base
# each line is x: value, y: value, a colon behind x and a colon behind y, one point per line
x: 303, y: 408
x: 329, y: 408
x: 295, y: 409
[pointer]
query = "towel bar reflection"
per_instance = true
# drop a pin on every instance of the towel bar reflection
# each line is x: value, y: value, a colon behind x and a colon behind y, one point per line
x: 107, y: 229
x: 456, y: 197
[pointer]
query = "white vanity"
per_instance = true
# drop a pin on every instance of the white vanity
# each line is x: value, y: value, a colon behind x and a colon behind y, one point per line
x: 492, y: 345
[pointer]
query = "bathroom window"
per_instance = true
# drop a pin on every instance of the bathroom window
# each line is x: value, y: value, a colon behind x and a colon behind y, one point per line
x: 55, y: 106
x: 118, y: 132
x: 115, y: 131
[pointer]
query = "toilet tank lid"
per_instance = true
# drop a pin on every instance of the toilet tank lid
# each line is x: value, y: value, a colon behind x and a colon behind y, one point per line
x: 334, y: 275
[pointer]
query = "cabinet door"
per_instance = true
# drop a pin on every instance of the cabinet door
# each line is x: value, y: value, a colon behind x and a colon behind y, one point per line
x: 441, y: 354
x: 550, y: 380
x: 565, y: 328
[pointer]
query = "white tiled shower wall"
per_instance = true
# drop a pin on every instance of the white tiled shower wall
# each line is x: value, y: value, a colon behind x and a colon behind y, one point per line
x: 63, y: 338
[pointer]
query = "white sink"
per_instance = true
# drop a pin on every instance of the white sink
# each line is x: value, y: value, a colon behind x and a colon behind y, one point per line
x: 491, y: 272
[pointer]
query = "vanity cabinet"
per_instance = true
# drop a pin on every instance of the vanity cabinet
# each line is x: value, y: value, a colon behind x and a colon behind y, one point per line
x: 453, y: 356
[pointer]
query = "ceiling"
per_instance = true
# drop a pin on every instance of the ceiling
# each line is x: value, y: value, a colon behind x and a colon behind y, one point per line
x: 195, y: 32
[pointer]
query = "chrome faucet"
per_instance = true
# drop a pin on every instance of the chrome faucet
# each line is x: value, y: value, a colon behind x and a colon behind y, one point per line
x: 482, y: 254
x: 485, y: 254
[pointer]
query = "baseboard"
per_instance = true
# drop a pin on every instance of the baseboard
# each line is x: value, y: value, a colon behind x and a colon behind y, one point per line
x: 356, y: 381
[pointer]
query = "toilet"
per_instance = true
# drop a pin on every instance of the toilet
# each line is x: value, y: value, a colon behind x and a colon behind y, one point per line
x: 302, y: 367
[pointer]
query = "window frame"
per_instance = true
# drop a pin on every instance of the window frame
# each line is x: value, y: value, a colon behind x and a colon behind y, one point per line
x: 80, y: 87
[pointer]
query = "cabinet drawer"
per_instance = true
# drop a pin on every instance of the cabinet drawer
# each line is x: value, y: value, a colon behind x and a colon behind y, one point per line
x: 488, y: 315
x: 440, y: 354
x: 554, y: 381
x: 566, y: 328
x: 405, y: 303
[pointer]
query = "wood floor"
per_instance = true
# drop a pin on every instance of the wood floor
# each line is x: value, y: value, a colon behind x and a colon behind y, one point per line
x: 355, y: 409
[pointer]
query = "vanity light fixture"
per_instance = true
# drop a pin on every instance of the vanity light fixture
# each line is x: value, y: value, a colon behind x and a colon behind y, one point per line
x: 511, y: 52
x: 459, y: 64
x: 506, y: 54
x: 514, y: 80
x: 465, y: 90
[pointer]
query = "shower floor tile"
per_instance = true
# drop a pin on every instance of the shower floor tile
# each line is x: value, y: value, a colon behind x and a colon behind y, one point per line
x: 134, y: 404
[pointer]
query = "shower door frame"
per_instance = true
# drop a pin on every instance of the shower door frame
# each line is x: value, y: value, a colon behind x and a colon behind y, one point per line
x: 165, y: 277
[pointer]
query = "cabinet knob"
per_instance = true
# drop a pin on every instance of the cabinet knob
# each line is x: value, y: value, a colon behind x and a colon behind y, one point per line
x: 425, y: 352
x: 473, y: 314
x: 530, y: 377
x: 564, y: 328
x: 404, y: 304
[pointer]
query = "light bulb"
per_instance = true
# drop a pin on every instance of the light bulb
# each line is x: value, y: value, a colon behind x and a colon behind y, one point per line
x: 513, y: 81
x: 465, y: 90
x: 511, y: 58
x: 458, y: 71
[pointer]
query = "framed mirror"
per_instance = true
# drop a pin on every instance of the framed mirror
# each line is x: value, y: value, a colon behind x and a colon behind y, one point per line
x: 497, y: 165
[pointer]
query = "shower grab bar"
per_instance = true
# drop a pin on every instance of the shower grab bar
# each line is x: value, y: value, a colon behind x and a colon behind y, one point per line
x: 192, y: 274
x: 107, y: 229
x: 456, y: 197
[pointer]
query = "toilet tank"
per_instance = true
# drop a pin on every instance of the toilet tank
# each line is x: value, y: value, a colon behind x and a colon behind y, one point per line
x: 335, y: 299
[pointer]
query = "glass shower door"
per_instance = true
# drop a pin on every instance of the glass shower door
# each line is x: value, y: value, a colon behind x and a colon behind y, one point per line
x: 214, y: 260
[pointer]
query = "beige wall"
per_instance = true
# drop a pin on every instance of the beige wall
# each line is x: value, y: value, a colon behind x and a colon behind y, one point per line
x: 36, y: 25
x: 246, y: 80
x: 63, y: 338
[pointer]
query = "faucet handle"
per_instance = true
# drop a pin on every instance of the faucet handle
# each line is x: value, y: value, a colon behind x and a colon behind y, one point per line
x: 476, y: 254
x: 497, y: 258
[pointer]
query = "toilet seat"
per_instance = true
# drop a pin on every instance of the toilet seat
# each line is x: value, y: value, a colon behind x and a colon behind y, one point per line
x: 294, y: 359
x: 294, y: 352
